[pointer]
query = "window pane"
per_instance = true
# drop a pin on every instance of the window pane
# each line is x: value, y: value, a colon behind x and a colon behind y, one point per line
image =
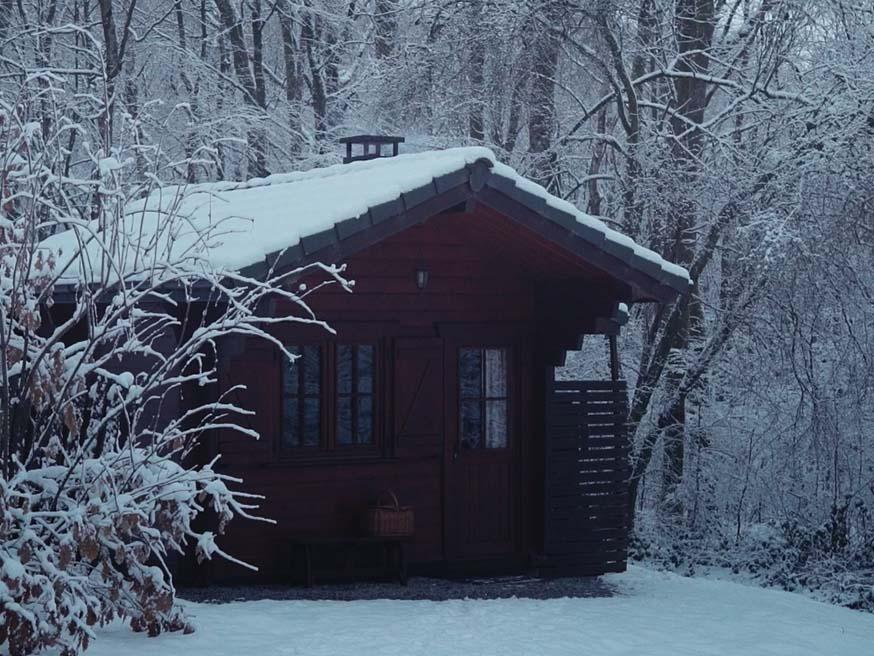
x: 290, y: 423
x: 344, y: 369
x: 312, y: 425
x: 470, y: 372
x: 291, y: 373
x: 365, y: 369
x: 496, y: 373
x: 344, y: 420
x: 496, y: 424
x: 471, y: 423
x: 312, y: 370
x: 365, y: 420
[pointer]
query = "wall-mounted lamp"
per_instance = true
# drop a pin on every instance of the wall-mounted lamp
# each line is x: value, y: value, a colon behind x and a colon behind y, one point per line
x: 422, y: 276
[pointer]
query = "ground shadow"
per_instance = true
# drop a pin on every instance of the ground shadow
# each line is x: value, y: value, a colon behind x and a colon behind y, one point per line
x: 418, y: 588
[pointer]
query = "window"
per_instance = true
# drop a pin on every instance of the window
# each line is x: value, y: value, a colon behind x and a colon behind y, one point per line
x: 328, y: 398
x: 301, y: 398
x: 483, y: 396
x: 354, y: 394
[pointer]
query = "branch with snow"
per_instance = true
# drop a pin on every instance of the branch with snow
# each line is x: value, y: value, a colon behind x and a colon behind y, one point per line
x: 104, y: 325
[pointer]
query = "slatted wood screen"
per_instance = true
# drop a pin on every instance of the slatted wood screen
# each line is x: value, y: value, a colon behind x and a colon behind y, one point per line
x: 587, y: 471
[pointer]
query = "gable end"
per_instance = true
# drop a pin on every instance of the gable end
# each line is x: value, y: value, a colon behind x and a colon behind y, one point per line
x: 480, y: 183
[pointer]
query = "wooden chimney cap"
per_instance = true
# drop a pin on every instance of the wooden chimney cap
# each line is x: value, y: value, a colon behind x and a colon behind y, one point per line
x: 371, y: 146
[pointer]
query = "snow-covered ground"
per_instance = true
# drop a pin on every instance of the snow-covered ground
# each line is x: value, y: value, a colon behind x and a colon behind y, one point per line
x: 653, y: 614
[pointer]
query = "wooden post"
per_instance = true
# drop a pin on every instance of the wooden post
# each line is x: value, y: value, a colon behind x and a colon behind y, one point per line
x: 549, y: 389
x: 614, y: 359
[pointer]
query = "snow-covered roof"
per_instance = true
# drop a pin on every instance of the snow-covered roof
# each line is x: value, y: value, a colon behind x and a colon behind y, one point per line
x: 295, y: 215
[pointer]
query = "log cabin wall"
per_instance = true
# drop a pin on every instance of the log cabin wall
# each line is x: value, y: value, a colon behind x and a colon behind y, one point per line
x: 489, y: 283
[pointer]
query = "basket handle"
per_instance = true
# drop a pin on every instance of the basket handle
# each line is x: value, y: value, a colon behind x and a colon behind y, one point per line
x: 394, y: 499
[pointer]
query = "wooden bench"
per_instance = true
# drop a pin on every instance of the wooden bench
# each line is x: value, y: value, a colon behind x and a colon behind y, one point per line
x: 394, y: 557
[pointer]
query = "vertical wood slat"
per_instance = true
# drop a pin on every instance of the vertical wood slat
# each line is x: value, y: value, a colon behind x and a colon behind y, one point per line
x: 587, y: 473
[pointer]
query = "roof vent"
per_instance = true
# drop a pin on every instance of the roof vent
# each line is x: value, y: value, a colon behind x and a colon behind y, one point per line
x: 371, y: 145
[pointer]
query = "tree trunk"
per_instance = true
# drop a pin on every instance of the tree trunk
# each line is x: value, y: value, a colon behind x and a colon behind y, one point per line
x: 694, y: 24
x: 293, y: 78
x: 114, y: 49
x: 541, y: 117
x: 112, y: 66
x: 251, y: 79
x: 317, y: 83
x: 191, y: 89
x: 258, y: 135
x: 7, y: 11
x: 132, y: 106
x: 476, y: 63
x: 599, y: 150
x: 514, y: 121
x: 385, y: 21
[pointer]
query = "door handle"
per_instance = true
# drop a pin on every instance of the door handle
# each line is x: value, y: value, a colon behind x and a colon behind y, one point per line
x: 455, y: 452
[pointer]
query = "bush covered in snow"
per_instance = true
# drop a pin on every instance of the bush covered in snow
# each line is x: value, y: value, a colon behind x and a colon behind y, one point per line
x: 86, y: 542
x: 104, y: 325
x: 832, y: 561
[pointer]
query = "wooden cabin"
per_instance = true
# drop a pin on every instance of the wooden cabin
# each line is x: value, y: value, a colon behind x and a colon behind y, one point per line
x: 471, y: 284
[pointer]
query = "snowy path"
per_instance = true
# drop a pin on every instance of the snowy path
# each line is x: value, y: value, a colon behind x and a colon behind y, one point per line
x: 655, y: 614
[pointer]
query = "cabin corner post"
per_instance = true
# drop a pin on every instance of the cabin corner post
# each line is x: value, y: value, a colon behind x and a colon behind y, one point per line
x: 614, y: 359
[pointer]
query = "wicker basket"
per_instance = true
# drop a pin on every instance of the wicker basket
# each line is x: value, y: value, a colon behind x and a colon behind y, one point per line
x: 388, y: 518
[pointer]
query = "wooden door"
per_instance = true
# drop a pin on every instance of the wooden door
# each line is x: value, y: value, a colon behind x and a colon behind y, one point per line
x: 481, y: 481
